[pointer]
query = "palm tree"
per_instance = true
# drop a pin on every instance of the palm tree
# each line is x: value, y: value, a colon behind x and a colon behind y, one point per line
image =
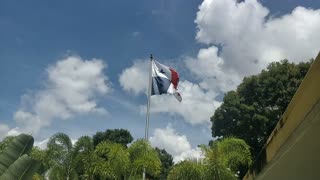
x: 109, y: 161
x: 221, y: 161
x: 187, y: 170
x: 144, y: 156
x: 61, y: 159
x: 82, y: 150
x: 224, y: 157
x: 114, y: 161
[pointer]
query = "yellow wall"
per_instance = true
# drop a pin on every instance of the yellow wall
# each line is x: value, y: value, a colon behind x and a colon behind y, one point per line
x: 301, y: 104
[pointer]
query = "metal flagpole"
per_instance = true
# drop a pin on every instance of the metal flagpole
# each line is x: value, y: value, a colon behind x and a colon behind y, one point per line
x: 149, y: 95
x: 146, y: 134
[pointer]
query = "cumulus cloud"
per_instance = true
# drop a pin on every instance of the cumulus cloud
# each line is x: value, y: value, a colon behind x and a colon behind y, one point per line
x: 209, y: 68
x: 72, y: 87
x: 176, y: 145
x: 193, y: 154
x: 4, y: 129
x: 133, y: 79
x: 249, y: 40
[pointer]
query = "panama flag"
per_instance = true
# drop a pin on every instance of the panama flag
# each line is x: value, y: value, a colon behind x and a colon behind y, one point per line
x: 164, y: 80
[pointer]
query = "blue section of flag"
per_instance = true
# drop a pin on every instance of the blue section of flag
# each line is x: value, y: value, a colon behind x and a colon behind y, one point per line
x: 160, y: 85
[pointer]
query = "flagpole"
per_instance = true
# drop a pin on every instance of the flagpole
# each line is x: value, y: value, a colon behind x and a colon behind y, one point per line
x: 146, y: 134
x: 148, y: 104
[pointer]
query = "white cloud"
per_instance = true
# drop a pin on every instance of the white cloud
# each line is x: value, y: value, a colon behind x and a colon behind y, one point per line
x: 71, y: 88
x: 250, y: 41
x: 208, y: 66
x: 133, y: 79
x: 15, y: 131
x: 176, y: 145
x: 193, y: 154
x: 41, y: 144
x: 167, y: 138
x: 4, y: 129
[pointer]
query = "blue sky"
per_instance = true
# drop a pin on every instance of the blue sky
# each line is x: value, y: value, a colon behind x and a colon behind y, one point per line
x: 211, y: 51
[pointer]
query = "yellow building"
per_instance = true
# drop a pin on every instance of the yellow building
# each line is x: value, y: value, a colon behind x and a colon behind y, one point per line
x: 293, y: 148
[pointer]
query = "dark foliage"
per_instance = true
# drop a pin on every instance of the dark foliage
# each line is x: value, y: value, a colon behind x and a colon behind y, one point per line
x: 252, y: 111
x: 121, y: 136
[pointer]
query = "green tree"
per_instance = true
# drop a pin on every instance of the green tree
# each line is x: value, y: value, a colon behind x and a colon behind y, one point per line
x: 42, y: 158
x: 111, y: 161
x: 60, y: 155
x: 222, y: 160
x: 166, y: 162
x: 121, y: 136
x: 252, y: 111
x: 143, y: 156
x: 82, y: 150
x: 187, y: 170
x: 225, y: 157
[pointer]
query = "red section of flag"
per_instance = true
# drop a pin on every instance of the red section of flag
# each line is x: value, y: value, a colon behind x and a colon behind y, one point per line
x: 174, y: 78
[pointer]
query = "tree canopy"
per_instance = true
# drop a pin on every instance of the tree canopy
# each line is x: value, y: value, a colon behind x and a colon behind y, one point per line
x: 121, y: 136
x: 166, y: 162
x: 143, y: 156
x: 111, y: 161
x: 187, y: 170
x: 60, y: 155
x: 222, y: 160
x: 64, y: 160
x: 254, y: 108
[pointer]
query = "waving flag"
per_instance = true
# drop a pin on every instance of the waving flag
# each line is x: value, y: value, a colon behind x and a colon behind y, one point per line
x: 164, y: 80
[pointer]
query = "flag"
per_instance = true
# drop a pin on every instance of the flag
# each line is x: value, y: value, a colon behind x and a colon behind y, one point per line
x: 164, y: 80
